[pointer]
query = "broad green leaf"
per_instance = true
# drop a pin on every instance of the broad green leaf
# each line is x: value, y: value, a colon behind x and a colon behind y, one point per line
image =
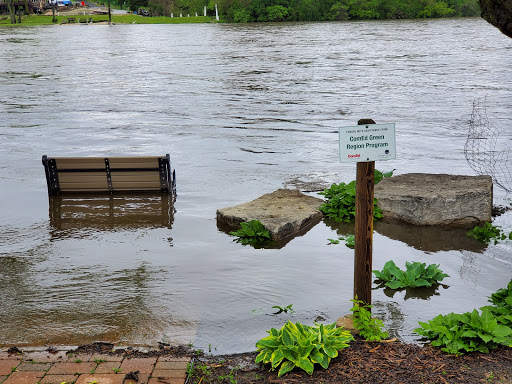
x: 276, y: 358
x: 421, y: 283
x: 501, y: 331
x: 325, y: 362
x: 306, y: 365
x: 287, y: 337
x: 269, y: 341
x: 395, y: 284
x: 260, y: 356
x: 286, y: 367
x: 316, y: 356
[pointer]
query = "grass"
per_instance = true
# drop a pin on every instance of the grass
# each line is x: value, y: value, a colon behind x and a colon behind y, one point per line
x: 117, y: 19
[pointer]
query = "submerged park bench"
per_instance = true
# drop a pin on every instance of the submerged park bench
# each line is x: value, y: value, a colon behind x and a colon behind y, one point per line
x: 109, y: 174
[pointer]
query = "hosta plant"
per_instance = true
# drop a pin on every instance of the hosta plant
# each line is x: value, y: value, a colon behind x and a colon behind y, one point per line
x: 416, y: 274
x: 340, y: 202
x: 473, y: 331
x: 467, y: 332
x: 297, y: 345
x: 252, y: 232
x: 501, y: 306
x: 370, y: 328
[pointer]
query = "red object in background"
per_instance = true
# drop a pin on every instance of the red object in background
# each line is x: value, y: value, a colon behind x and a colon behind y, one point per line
x: 82, y: 3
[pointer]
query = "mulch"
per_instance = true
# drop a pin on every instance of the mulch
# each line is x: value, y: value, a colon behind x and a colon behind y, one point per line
x: 368, y: 363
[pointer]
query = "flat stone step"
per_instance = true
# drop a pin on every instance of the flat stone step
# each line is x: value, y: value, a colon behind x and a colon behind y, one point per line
x: 284, y: 213
x: 436, y: 199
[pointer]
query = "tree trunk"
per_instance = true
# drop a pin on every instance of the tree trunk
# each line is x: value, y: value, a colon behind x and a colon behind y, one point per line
x: 12, y: 11
x: 499, y: 14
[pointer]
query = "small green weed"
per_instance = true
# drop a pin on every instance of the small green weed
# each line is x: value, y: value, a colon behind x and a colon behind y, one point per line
x: 370, y: 328
x: 117, y: 370
x: 488, y: 232
x: 230, y: 376
x: 78, y: 360
x: 190, y: 369
x: 14, y: 369
x: 252, y: 233
x: 350, y: 241
x: 286, y: 309
x: 99, y: 361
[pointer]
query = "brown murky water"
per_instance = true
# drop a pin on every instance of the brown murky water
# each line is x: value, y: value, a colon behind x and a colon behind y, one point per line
x: 243, y: 110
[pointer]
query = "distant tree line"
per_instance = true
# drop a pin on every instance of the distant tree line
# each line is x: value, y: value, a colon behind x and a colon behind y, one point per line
x: 243, y: 11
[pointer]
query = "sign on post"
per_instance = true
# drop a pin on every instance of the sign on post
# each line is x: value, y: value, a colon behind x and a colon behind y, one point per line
x: 364, y: 144
x: 367, y: 142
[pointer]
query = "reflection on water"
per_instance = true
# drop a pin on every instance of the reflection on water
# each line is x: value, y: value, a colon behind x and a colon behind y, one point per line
x: 76, y: 215
x: 424, y: 238
x: 423, y: 293
x: 430, y: 238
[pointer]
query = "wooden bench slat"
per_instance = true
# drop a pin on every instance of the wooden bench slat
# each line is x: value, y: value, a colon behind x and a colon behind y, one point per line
x: 99, y: 164
x: 83, y: 185
x: 135, y: 177
x: 82, y: 177
x: 109, y: 174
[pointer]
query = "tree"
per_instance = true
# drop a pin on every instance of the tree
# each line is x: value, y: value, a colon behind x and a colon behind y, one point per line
x: 499, y: 14
x: 12, y: 11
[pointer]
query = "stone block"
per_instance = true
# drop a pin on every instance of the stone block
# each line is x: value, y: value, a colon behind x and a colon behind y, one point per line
x: 284, y: 213
x: 436, y: 199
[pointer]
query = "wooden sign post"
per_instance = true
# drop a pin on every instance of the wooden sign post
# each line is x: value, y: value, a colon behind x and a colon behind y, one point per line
x: 364, y: 228
x: 364, y: 144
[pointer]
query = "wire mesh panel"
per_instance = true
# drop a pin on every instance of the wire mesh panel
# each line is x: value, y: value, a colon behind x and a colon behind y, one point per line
x: 482, y: 149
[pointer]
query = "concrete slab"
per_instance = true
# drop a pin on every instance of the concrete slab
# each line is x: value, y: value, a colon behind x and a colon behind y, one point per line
x: 436, y: 199
x: 284, y: 213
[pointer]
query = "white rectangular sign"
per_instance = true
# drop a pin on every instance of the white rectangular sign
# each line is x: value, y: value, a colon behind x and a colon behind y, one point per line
x: 369, y: 142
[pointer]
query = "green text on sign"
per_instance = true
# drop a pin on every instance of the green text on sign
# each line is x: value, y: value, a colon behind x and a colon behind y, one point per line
x: 371, y: 142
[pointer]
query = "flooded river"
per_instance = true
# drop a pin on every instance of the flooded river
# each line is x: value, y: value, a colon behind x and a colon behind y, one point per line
x: 242, y: 110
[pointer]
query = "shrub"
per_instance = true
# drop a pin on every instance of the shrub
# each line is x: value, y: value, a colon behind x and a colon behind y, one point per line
x: 297, y: 345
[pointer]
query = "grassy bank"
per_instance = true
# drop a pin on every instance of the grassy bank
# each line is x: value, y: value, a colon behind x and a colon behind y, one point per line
x: 117, y: 19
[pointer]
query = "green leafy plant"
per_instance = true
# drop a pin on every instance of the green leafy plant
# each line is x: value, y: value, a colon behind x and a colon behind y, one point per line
x: 117, y: 370
x: 340, y: 202
x: 501, y: 306
x: 297, y: 345
x: 230, y: 376
x: 378, y: 176
x: 487, y: 233
x: 284, y: 309
x: 370, y: 328
x: 467, y: 332
x: 252, y: 232
x: 350, y: 241
x: 416, y: 275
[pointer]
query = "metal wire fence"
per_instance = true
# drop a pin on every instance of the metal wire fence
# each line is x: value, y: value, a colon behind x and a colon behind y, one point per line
x: 483, y: 150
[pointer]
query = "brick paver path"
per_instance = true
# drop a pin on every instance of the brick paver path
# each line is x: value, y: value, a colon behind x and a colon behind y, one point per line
x: 47, y: 368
